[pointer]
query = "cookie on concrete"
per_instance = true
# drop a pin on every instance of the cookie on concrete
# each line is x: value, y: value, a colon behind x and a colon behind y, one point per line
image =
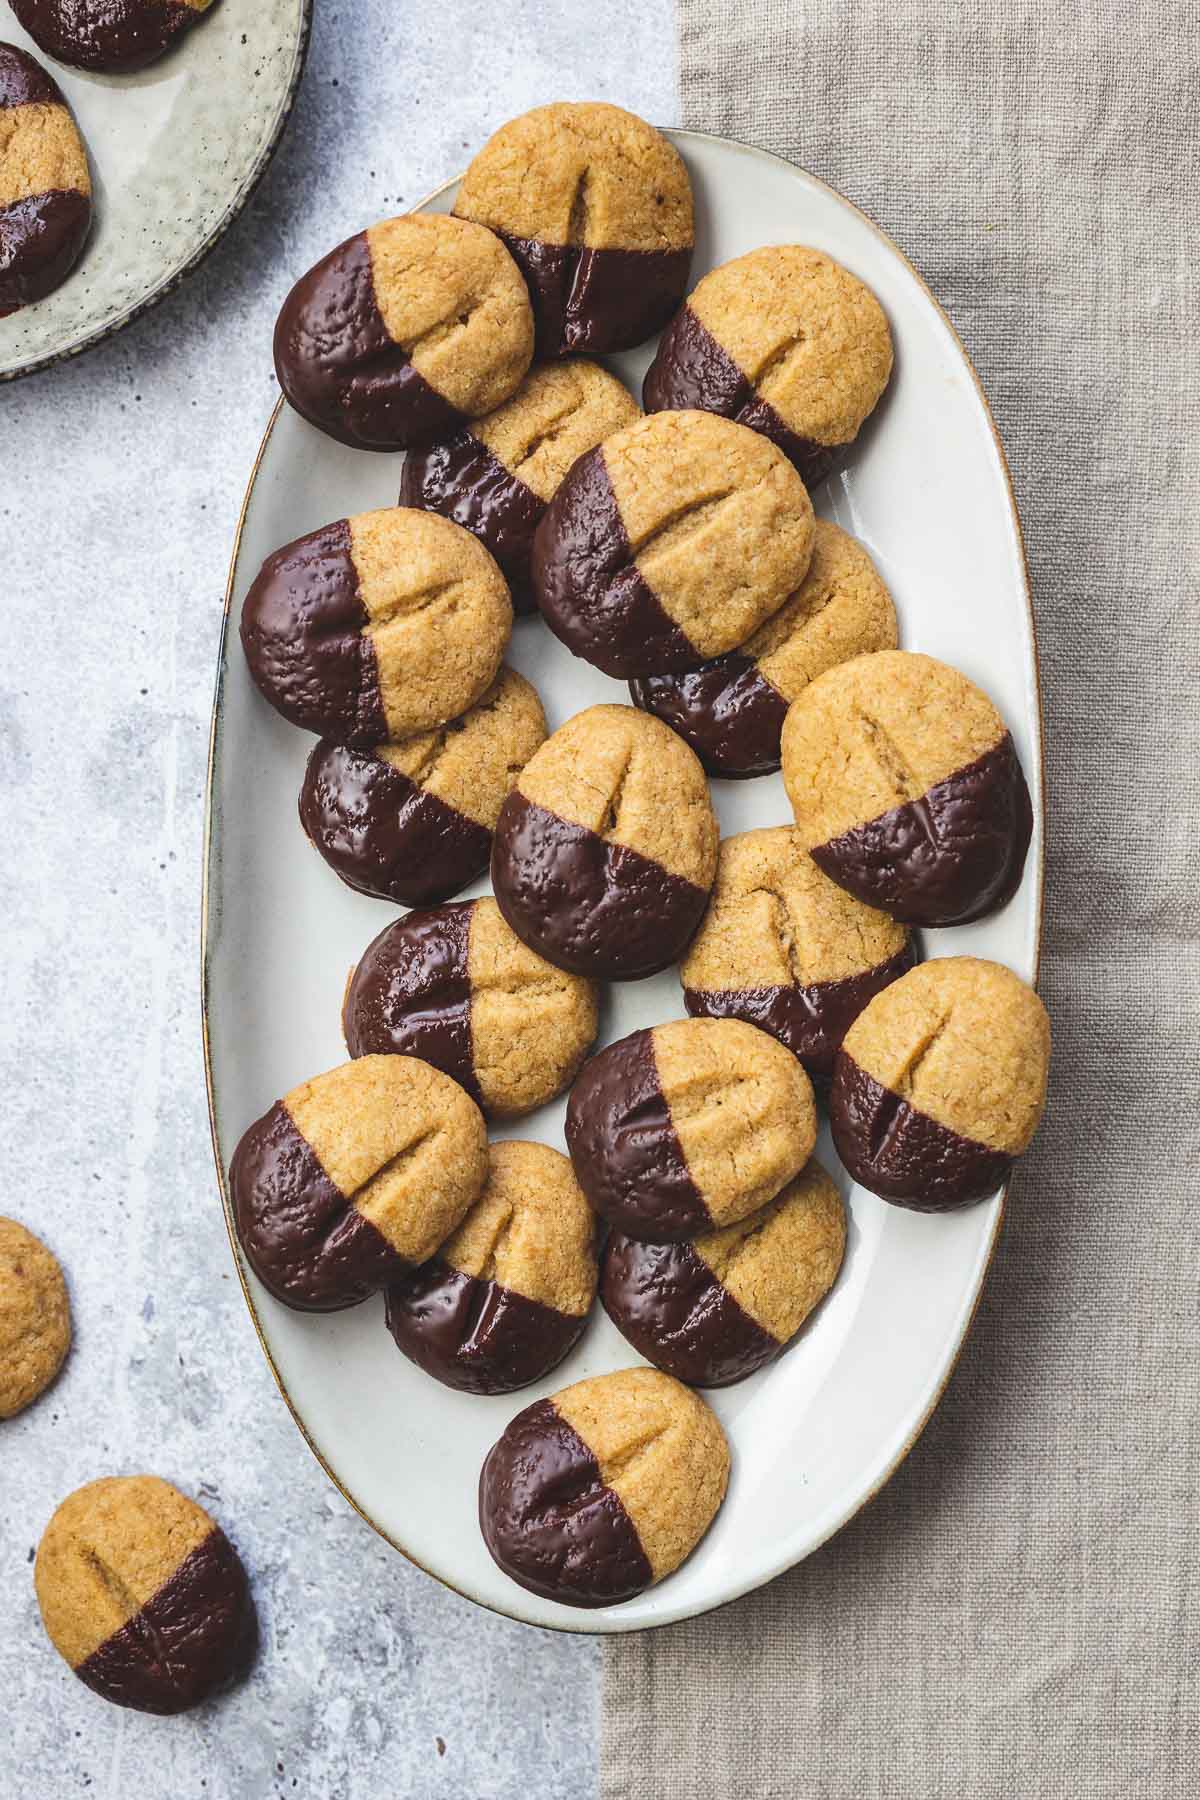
x: 906, y: 788
x: 377, y: 627
x: 688, y: 1127
x: 456, y: 986
x: 45, y: 182
x: 593, y: 1495
x: 404, y: 331
x: 35, y: 1318
x: 112, y: 37
x: 508, y: 1294
x: 143, y: 1595
x: 940, y: 1083
x: 606, y: 847
x: 783, y: 340
x: 353, y: 1177
x: 596, y: 207
x: 670, y: 544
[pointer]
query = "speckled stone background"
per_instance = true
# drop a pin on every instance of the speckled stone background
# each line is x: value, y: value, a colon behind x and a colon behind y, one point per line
x: 121, y: 476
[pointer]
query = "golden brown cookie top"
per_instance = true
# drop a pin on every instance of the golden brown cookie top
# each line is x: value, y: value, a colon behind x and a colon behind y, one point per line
x: 35, y: 1316
x: 560, y: 411
x: 840, y: 610
x: 471, y: 762
x: 41, y: 152
x: 531, y: 1023
x: 782, y: 1260
x: 964, y: 1041
x: 531, y: 1230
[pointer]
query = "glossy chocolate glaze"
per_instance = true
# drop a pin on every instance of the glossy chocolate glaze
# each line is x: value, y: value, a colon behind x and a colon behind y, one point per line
x: 195, y: 1636
x: 40, y: 241
x: 551, y: 1522
x: 477, y: 1335
x: 382, y: 833
x: 116, y: 36
x: 592, y: 302
x: 306, y: 1243
x: 589, y: 588
x: 626, y: 1152
x: 462, y: 480
x: 730, y: 714
x: 589, y: 907
x: 671, y: 1307
x: 900, y: 1153
x: 339, y: 368
x: 811, y: 1021
x: 23, y: 81
x: 302, y: 632
x: 954, y: 855
x: 691, y: 369
x: 411, y: 993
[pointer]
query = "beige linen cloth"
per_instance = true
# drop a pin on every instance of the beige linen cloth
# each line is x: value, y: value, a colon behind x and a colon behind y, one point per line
x: 1016, y: 1615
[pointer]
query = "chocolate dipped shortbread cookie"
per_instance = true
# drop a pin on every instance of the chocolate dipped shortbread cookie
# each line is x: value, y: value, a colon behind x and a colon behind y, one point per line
x: 377, y: 627
x: 906, y: 788
x: 596, y: 207
x: 353, y: 1177
x: 404, y: 331
x: 143, y: 1595
x: 731, y: 710
x: 786, y: 949
x: 413, y: 821
x: 606, y: 847
x: 688, y: 1127
x: 605, y: 1488
x: 713, y: 1310
x: 45, y: 183
x: 456, y: 986
x: 940, y: 1083
x: 35, y: 1318
x: 508, y: 1294
x: 783, y: 340
x: 112, y: 37
x: 497, y: 475
x: 670, y: 543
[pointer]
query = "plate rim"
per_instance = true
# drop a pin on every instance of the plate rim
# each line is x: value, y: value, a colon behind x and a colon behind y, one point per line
x: 176, y: 277
x: 568, y: 1626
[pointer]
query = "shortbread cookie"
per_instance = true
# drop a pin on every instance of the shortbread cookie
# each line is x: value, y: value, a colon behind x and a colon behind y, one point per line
x: 377, y: 627
x: 404, y: 331
x: 596, y: 207
x: 688, y: 1127
x: 731, y: 710
x: 354, y: 1177
x: 497, y: 476
x: 906, y: 788
x: 413, y: 821
x: 456, y: 986
x: 786, y: 341
x: 35, y: 1318
x: 714, y: 1310
x: 593, y: 1495
x: 670, y: 543
x: 45, y: 183
x: 509, y: 1293
x: 113, y: 37
x: 784, y: 948
x: 143, y: 1595
x: 606, y: 847
x: 940, y: 1083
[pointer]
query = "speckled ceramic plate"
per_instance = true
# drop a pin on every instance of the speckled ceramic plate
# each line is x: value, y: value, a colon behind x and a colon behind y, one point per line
x: 176, y: 151
x: 816, y: 1433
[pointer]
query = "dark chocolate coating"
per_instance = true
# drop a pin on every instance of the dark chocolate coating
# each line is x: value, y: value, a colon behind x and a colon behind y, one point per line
x: 23, y: 81
x: 954, y: 855
x: 306, y: 1243
x: 671, y: 1307
x: 730, y: 714
x: 382, y: 833
x: 692, y: 370
x: 626, y: 1152
x: 477, y: 1335
x: 195, y: 1636
x: 41, y: 236
x: 302, y: 632
x: 811, y: 1021
x: 115, y: 36
x: 900, y: 1153
x: 592, y: 302
x: 551, y: 1522
x: 411, y: 993
x: 589, y: 907
x: 589, y: 588
x: 339, y: 368
x: 462, y: 480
